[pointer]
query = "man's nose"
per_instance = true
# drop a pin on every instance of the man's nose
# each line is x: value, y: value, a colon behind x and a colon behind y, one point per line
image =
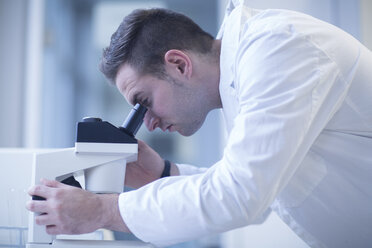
x: 151, y: 121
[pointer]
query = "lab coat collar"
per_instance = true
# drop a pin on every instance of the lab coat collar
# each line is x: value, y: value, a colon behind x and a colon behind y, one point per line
x: 235, y: 17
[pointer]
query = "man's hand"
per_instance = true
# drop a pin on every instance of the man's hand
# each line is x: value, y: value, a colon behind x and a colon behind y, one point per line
x: 147, y: 168
x: 71, y: 210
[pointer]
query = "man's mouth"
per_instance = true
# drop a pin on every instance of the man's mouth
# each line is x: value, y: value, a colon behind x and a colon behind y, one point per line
x: 170, y: 128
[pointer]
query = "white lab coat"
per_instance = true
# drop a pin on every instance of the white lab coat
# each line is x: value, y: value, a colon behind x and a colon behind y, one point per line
x: 297, y: 100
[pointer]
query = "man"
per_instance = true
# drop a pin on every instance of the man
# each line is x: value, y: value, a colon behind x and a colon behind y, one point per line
x: 296, y: 94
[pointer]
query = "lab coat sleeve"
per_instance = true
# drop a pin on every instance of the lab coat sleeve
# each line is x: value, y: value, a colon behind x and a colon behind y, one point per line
x: 288, y: 89
x: 186, y: 169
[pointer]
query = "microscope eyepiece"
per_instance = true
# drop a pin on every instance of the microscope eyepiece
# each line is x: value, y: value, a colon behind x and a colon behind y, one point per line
x: 134, y: 119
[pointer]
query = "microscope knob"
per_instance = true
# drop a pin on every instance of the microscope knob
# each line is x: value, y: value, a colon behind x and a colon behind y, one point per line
x: 92, y: 119
x: 69, y: 181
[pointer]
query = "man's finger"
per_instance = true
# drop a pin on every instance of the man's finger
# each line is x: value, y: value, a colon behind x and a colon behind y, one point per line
x: 44, y: 219
x: 37, y: 206
x: 52, y: 230
x: 40, y: 190
x: 51, y: 183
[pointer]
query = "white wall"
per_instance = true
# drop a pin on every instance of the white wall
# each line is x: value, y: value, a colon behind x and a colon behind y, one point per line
x: 366, y: 22
x: 21, y: 40
x: 12, y: 35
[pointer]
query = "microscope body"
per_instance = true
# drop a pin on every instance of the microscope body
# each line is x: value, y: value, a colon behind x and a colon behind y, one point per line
x: 105, y: 173
x: 101, y: 152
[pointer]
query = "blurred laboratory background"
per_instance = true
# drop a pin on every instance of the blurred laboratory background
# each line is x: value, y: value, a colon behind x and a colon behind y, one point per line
x: 49, y: 80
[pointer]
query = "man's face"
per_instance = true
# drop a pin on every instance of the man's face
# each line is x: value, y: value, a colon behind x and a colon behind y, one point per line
x: 172, y: 105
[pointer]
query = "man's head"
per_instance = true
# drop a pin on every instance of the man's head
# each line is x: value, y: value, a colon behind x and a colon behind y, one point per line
x: 144, y: 37
x: 166, y: 62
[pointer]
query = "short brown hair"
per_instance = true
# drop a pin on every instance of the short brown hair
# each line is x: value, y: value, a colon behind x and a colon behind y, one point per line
x: 143, y: 38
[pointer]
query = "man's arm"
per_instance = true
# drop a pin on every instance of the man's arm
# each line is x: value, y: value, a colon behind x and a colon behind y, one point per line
x: 150, y: 165
x: 147, y: 168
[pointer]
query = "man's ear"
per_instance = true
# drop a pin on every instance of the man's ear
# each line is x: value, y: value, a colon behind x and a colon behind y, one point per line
x: 178, y: 63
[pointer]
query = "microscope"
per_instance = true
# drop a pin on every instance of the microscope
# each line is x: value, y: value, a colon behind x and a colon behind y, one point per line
x: 101, y: 152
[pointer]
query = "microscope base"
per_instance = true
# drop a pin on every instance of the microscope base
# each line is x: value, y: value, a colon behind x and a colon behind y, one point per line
x: 91, y: 244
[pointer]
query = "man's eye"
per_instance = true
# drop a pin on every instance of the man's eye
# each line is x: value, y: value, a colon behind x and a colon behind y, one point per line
x: 145, y: 102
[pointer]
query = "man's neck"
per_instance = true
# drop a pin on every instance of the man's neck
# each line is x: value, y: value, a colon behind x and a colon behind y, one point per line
x: 206, y: 68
